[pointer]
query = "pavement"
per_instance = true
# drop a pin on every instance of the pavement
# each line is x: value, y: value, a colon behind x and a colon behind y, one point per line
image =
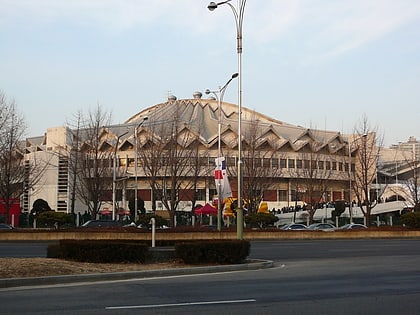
x: 254, y: 264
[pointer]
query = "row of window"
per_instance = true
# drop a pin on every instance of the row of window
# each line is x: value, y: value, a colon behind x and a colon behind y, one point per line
x: 275, y: 163
x: 282, y: 163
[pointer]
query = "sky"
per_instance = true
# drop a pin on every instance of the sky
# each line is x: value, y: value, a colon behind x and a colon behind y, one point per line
x: 314, y: 63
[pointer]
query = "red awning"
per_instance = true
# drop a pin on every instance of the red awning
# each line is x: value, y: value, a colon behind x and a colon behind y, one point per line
x: 207, y: 209
x: 105, y: 212
x: 123, y: 212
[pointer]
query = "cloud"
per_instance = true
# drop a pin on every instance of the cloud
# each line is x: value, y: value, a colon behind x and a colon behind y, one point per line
x: 107, y: 14
x: 268, y: 22
x: 349, y: 25
x: 322, y: 29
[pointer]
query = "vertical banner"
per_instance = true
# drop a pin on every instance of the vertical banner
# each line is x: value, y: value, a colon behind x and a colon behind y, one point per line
x: 221, y: 179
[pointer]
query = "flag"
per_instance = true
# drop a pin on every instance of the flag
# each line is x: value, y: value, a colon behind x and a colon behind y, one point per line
x: 221, y: 178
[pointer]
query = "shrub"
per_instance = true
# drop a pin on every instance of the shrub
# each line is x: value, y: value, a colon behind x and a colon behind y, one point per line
x: 261, y: 220
x: 54, y: 251
x: 220, y: 252
x: 49, y: 218
x: 340, y: 207
x: 144, y: 220
x: 99, y: 251
x: 411, y: 219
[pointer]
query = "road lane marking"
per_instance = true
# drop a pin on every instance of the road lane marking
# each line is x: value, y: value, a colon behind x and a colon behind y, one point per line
x: 133, y: 279
x: 179, y: 304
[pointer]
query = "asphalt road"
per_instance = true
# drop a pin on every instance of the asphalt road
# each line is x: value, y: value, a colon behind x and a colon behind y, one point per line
x: 309, y: 277
x: 19, y: 249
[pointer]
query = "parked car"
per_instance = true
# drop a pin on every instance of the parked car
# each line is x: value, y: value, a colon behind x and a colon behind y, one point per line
x: 100, y: 223
x: 352, y: 226
x: 149, y: 227
x: 376, y: 223
x: 294, y: 226
x: 321, y: 227
x: 4, y: 226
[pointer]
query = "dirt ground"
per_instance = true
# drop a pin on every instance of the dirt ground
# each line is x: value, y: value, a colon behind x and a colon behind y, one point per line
x: 42, y: 267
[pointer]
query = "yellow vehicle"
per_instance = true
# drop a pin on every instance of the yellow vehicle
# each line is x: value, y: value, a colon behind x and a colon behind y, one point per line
x: 228, y: 211
x: 263, y: 208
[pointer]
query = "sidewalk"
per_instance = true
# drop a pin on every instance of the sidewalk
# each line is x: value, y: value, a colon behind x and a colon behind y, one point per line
x: 98, y: 277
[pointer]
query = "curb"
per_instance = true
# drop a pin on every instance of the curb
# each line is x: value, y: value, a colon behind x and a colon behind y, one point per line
x: 254, y: 264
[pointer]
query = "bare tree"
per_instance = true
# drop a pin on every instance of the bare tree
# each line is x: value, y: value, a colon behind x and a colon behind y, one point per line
x: 171, y: 162
x: 258, y: 175
x: 150, y: 158
x: 12, y: 167
x: 90, y: 160
x: 199, y: 163
x: 17, y: 176
x: 313, y: 175
x: 74, y: 166
x: 368, y: 145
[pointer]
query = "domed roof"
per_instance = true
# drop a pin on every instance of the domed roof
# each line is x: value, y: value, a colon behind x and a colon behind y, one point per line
x: 202, y: 117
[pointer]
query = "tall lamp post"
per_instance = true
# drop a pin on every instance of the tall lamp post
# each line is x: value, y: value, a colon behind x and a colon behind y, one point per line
x: 135, y: 164
x: 114, y: 179
x: 219, y: 94
x: 238, y: 13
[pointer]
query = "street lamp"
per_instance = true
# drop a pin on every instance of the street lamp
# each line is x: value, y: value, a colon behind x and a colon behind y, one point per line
x: 114, y: 179
x: 238, y: 13
x: 219, y: 97
x: 135, y: 164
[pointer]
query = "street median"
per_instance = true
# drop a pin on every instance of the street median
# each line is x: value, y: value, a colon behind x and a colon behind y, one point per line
x: 171, y: 236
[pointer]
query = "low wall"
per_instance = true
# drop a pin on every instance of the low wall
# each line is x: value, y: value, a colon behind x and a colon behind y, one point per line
x: 35, y: 235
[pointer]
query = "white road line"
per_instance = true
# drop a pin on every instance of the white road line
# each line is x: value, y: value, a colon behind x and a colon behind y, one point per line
x: 179, y: 304
x: 134, y: 279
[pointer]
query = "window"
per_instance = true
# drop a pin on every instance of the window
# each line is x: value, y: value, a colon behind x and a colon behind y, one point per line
x: 200, y: 194
x: 266, y: 162
x: 270, y: 195
x: 191, y: 161
x: 230, y: 161
x: 106, y: 163
x: 250, y: 162
x: 274, y: 163
x: 204, y: 161
x: 291, y: 163
x: 168, y: 194
x: 122, y: 161
x: 283, y: 195
x: 131, y: 161
x: 283, y: 163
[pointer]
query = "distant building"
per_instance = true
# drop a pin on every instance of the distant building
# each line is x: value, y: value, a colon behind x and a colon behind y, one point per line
x: 285, y: 154
x: 398, y: 166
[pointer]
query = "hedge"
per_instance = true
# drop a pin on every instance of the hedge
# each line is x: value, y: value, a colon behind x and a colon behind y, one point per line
x: 219, y: 252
